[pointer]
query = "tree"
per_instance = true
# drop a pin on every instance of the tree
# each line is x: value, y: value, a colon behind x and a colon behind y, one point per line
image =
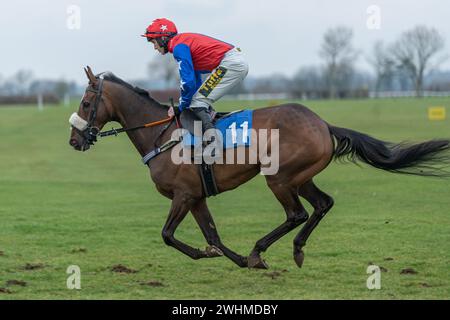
x: 308, y: 82
x: 274, y: 83
x: 62, y: 88
x: 2, y: 85
x: 383, y: 65
x: 238, y: 89
x: 164, y: 68
x: 17, y: 84
x: 21, y: 81
x: 414, y: 52
x: 339, y: 56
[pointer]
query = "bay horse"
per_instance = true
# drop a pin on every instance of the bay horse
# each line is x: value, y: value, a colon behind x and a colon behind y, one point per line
x: 307, y: 145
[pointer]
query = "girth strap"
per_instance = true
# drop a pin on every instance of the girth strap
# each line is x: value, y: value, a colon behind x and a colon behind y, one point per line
x: 166, y: 146
x: 208, y: 179
x: 205, y: 170
x: 149, y: 156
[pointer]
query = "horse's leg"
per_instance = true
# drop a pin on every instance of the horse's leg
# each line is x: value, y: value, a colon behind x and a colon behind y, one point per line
x: 322, y: 203
x: 295, y: 215
x: 206, y: 223
x: 180, y: 207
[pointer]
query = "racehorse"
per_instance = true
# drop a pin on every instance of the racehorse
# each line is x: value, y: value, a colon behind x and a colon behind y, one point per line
x: 307, y: 144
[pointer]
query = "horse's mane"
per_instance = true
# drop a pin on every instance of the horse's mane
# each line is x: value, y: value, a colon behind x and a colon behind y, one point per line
x: 141, y: 92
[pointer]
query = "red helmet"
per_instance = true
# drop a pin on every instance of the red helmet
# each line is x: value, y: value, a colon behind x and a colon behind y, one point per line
x: 160, y: 28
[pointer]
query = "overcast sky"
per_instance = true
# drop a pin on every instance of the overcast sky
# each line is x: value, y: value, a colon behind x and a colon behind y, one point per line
x: 276, y: 36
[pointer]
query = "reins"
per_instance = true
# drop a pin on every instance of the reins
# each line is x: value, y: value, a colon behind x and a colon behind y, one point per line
x: 158, y: 149
x: 115, y: 132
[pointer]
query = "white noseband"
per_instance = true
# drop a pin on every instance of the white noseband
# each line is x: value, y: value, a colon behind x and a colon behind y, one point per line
x: 77, y: 122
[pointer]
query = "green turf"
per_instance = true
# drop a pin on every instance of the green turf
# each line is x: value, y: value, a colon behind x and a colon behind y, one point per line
x: 98, y: 209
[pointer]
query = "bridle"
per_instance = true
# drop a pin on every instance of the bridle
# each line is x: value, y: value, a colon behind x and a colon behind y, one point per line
x: 87, y: 129
x: 91, y: 132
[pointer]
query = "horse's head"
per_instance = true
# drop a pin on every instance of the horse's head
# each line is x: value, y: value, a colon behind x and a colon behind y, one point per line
x: 92, y: 114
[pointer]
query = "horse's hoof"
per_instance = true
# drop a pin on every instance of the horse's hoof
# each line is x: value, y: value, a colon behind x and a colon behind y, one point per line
x: 257, y: 263
x: 213, y: 251
x: 298, y: 258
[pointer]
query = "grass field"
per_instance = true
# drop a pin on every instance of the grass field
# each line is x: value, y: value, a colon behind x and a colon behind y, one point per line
x: 99, y: 209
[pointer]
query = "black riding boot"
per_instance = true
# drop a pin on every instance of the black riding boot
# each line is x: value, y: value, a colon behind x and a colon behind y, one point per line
x: 205, y: 117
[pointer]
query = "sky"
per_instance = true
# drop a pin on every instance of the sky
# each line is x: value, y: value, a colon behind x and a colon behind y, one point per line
x: 56, y: 38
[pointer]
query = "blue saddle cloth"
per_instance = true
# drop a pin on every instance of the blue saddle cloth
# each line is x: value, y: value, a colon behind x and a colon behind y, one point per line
x: 235, y: 129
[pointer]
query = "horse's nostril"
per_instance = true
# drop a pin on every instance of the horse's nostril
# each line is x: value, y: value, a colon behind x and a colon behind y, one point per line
x: 73, y: 142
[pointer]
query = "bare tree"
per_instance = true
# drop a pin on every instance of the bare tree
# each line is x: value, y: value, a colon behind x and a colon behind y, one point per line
x: 17, y: 84
x: 2, y: 89
x: 238, y: 89
x: 62, y: 88
x: 339, y: 56
x: 274, y: 83
x: 308, y: 82
x: 414, y: 51
x: 22, y: 80
x: 383, y: 65
x: 164, y: 68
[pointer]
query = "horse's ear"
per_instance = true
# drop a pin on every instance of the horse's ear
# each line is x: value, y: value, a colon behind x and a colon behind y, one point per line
x: 90, y: 75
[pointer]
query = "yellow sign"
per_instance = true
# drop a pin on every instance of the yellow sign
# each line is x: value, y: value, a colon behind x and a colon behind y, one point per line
x: 436, y: 113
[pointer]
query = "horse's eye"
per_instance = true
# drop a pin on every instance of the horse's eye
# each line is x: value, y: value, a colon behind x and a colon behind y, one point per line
x: 86, y: 104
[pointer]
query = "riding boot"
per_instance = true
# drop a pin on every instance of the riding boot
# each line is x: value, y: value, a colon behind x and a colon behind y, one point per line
x: 205, y: 117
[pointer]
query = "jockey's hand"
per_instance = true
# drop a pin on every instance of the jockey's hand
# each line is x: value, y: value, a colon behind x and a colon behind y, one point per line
x: 171, y: 112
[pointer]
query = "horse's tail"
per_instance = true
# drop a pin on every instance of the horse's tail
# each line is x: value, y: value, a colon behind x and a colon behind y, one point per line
x: 430, y: 158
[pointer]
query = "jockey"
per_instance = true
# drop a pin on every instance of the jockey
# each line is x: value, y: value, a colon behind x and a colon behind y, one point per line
x: 198, y: 54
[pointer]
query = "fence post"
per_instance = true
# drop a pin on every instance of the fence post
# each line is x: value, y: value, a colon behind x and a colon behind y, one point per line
x: 40, y: 102
x: 66, y: 100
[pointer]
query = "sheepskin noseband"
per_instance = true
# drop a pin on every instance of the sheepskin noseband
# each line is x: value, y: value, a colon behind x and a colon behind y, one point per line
x: 77, y: 122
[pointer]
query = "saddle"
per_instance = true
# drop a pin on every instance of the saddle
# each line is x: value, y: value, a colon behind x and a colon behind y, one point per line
x: 188, y: 117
